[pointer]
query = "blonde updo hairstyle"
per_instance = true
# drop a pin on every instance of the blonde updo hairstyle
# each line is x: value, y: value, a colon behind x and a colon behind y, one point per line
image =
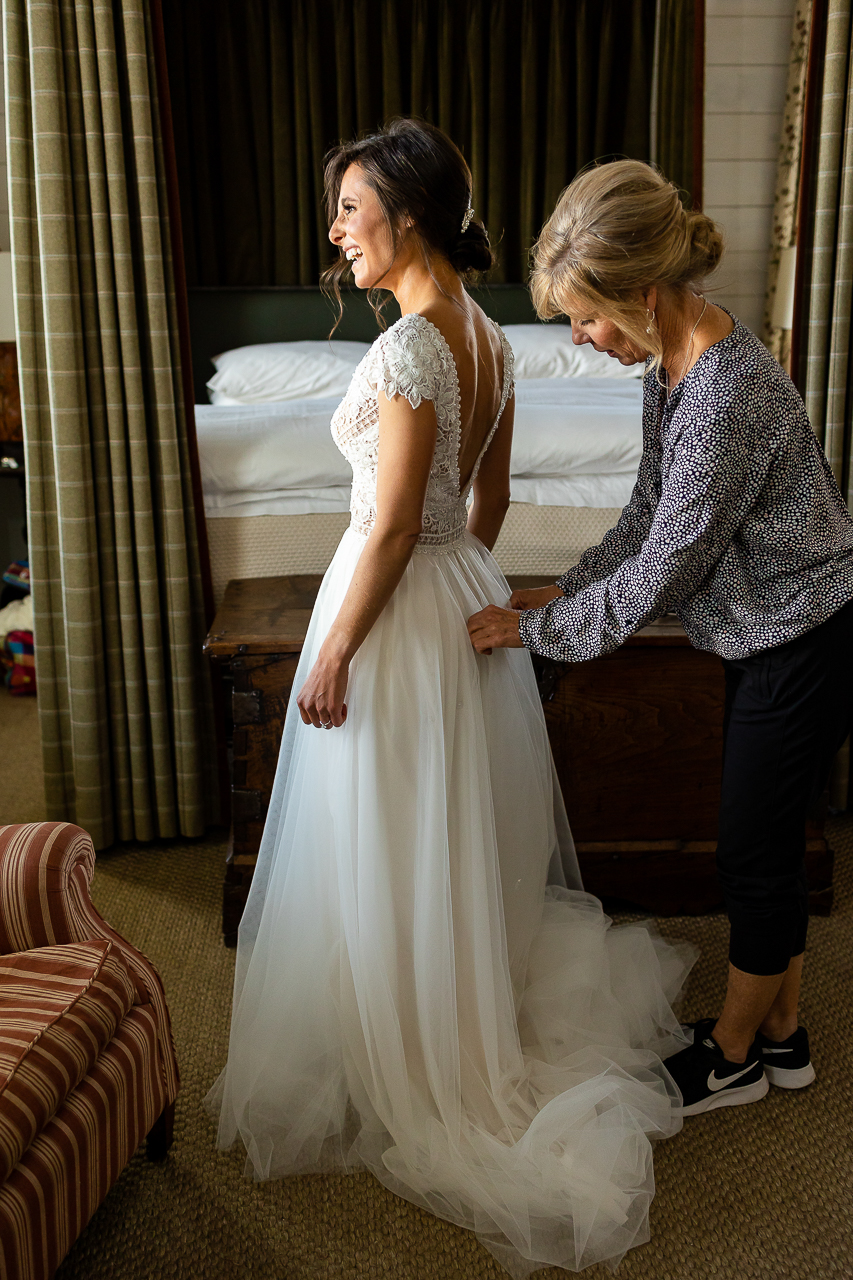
x: 619, y: 228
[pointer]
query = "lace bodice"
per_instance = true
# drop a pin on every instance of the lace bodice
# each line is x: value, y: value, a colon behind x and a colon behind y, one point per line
x: 411, y: 359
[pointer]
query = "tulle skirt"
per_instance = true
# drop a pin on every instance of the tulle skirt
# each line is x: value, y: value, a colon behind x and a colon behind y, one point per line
x: 417, y: 990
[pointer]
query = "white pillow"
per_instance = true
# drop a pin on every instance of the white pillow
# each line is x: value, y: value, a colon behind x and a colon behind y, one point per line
x: 306, y: 370
x: 547, y: 351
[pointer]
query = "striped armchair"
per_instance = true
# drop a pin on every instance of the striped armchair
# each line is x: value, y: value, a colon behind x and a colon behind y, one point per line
x: 87, y: 1065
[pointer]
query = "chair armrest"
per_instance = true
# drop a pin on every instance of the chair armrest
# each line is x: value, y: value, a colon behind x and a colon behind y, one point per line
x: 46, y: 873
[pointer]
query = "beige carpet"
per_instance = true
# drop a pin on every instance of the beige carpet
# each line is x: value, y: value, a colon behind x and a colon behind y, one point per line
x: 21, y: 780
x: 760, y: 1191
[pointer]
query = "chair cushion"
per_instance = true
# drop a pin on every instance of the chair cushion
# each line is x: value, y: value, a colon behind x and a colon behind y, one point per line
x: 59, y: 1007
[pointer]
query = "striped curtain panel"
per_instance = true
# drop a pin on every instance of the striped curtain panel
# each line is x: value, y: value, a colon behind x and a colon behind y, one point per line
x: 828, y: 291
x: 124, y: 704
x: 783, y: 234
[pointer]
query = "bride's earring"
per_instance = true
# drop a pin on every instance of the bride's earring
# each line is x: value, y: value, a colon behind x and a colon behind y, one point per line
x: 650, y: 316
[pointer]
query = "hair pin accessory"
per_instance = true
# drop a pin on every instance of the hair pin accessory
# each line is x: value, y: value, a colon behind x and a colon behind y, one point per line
x: 466, y: 218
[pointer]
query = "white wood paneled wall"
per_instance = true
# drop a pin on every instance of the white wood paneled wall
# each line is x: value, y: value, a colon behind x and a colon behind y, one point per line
x: 747, y: 44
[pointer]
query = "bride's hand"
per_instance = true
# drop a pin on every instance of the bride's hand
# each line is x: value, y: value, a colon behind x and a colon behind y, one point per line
x: 534, y: 597
x: 321, y: 698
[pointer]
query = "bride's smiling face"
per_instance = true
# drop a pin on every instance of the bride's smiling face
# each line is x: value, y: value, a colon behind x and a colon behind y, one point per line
x: 361, y: 230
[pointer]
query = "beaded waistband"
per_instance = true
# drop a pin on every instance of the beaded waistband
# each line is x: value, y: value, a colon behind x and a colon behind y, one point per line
x: 442, y: 548
x: 433, y: 544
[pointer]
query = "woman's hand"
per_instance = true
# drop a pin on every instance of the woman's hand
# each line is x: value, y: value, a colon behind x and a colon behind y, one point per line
x: 534, y: 597
x: 321, y: 698
x: 494, y: 628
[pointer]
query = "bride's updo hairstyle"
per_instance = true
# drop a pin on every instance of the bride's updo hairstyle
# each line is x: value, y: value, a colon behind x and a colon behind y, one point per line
x: 420, y: 177
x: 619, y: 228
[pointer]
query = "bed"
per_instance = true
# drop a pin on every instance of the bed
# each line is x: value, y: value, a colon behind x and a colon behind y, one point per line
x: 276, y: 490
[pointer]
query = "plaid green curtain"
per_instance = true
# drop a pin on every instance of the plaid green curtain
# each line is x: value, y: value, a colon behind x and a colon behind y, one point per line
x: 123, y: 697
x: 531, y: 90
x: 827, y: 286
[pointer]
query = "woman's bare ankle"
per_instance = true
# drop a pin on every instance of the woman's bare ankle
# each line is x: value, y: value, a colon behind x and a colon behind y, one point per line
x: 779, y: 1028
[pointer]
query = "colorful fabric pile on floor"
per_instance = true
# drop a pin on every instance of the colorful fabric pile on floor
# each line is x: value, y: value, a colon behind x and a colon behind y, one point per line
x: 16, y: 630
x: 19, y: 660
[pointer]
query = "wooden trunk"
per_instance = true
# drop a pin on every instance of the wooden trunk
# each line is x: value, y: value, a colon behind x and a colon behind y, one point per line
x: 257, y: 636
x: 11, y: 427
x: 636, y: 737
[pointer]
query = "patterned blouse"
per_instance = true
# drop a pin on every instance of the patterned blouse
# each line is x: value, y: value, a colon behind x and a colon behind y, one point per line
x: 735, y: 523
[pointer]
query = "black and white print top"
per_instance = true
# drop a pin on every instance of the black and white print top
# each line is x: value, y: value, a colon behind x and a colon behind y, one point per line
x: 736, y: 522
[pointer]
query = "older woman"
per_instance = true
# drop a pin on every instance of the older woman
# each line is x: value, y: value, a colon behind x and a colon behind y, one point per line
x: 737, y: 524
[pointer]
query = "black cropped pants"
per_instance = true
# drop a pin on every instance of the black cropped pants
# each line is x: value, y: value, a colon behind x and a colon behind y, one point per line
x: 787, y: 712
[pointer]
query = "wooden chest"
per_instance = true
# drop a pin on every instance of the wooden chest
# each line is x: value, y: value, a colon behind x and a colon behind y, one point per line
x: 11, y: 427
x: 257, y: 638
x: 636, y: 737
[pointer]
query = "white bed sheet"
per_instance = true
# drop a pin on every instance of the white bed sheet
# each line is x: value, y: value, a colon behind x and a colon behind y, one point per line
x: 577, y: 442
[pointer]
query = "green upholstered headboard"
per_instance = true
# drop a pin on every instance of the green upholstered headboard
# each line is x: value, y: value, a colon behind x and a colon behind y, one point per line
x: 235, y: 317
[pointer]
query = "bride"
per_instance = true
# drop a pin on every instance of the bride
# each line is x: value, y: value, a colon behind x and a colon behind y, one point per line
x: 422, y: 987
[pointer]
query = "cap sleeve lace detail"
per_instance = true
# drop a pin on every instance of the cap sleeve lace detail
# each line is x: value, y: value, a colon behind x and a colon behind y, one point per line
x: 415, y: 362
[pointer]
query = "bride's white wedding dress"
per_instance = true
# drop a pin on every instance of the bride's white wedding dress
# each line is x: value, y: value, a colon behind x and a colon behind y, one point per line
x: 410, y: 996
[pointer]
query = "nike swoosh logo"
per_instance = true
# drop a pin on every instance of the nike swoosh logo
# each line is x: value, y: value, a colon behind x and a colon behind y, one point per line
x: 777, y: 1050
x: 716, y: 1085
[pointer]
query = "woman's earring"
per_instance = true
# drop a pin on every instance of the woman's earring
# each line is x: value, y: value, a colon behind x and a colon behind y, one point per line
x: 650, y: 316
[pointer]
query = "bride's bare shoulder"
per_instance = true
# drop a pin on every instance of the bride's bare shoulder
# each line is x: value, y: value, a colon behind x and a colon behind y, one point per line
x: 466, y: 328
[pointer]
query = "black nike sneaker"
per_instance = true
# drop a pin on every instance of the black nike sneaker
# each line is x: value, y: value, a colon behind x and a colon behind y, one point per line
x: 787, y: 1063
x: 707, y: 1079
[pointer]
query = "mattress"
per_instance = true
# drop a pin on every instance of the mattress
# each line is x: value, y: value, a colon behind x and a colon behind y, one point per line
x: 577, y: 443
x: 535, y: 539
